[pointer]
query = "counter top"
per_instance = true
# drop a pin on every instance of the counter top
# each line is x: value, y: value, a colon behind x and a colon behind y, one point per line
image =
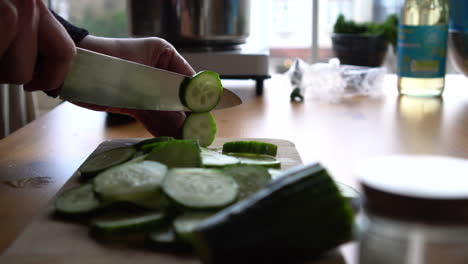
x: 38, y: 159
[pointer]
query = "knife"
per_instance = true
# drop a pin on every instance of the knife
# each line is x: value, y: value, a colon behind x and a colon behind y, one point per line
x: 104, y: 80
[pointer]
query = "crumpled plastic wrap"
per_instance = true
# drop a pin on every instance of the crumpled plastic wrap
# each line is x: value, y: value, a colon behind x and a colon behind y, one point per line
x: 332, y: 82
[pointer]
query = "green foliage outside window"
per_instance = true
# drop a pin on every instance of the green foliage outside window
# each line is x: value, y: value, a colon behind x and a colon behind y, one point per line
x: 110, y: 24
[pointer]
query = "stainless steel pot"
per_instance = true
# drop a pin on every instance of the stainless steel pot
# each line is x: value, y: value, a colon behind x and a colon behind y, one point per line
x: 191, y: 22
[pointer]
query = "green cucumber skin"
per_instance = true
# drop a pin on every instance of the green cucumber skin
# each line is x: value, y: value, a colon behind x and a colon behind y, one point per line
x: 185, y: 84
x: 126, y: 154
x: 282, y: 225
x: 250, y: 159
x: 176, y: 160
x: 255, y: 147
x: 149, y: 141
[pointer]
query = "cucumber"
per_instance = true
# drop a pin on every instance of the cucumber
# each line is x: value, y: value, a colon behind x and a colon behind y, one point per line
x: 351, y: 194
x: 177, y: 154
x: 201, y: 127
x: 200, y: 188
x: 144, y: 143
x: 166, y: 238
x: 212, y: 158
x: 255, y: 147
x: 296, y: 217
x: 139, y: 183
x: 249, y: 178
x: 136, y: 159
x: 78, y: 200
x: 185, y: 224
x: 257, y: 159
x: 127, y: 223
x: 275, y: 173
x: 201, y: 92
x: 104, y: 160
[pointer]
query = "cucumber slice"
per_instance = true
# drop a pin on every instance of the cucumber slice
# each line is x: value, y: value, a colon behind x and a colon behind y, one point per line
x: 202, y: 92
x: 177, y: 154
x: 201, y: 127
x: 78, y: 200
x: 212, y: 158
x: 257, y: 159
x: 127, y: 223
x: 295, y: 218
x: 144, y: 143
x: 199, y: 188
x: 249, y: 178
x: 139, y: 183
x: 255, y: 147
x: 185, y: 224
x: 104, y: 160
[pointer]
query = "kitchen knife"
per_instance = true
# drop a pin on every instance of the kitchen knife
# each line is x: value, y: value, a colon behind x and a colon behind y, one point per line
x: 104, y: 80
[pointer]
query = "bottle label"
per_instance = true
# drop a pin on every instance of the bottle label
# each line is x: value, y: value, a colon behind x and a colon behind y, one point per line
x: 422, y: 51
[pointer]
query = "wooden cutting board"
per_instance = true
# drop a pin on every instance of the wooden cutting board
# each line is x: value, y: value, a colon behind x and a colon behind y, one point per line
x: 48, y: 241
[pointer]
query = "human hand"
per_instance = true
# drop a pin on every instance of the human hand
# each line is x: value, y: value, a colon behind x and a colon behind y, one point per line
x: 30, y: 31
x: 153, y: 52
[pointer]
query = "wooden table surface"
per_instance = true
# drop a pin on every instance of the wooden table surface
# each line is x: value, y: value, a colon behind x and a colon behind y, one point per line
x: 38, y: 159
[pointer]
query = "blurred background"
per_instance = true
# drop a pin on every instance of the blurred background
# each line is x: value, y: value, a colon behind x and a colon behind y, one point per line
x: 288, y: 28
x: 280, y: 32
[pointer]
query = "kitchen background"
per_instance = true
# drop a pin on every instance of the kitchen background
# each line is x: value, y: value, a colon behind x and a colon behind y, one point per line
x: 288, y: 28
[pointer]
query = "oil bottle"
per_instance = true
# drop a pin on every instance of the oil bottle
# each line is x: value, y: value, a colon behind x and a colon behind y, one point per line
x: 422, y: 47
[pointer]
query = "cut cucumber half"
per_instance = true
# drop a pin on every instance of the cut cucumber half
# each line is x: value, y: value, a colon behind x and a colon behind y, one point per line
x: 201, y: 127
x: 177, y: 154
x: 212, y: 158
x: 185, y: 224
x: 104, y: 160
x: 127, y: 223
x: 257, y: 159
x: 202, y: 92
x: 200, y: 188
x: 295, y: 218
x: 249, y: 178
x: 255, y: 147
x: 144, y: 143
x: 139, y: 183
x: 77, y: 200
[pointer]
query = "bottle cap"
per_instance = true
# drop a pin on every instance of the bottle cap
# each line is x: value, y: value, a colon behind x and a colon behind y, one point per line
x: 428, y: 189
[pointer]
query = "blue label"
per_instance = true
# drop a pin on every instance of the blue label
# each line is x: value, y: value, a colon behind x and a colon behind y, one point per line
x: 459, y: 15
x: 422, y: 51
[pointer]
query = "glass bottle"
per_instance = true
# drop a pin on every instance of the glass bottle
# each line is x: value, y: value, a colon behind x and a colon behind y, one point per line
x: 422, y: 47
x: 415, y: 210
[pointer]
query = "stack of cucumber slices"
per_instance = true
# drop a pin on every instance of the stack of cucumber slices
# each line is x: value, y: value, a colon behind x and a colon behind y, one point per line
x: 201, y: 94
x: 221, y: 203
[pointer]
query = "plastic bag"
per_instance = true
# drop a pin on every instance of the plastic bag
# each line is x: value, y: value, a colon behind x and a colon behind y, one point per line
x: 332, y: 82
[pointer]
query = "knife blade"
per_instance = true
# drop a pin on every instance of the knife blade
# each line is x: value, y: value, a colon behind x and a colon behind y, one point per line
x: 104, y: 80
